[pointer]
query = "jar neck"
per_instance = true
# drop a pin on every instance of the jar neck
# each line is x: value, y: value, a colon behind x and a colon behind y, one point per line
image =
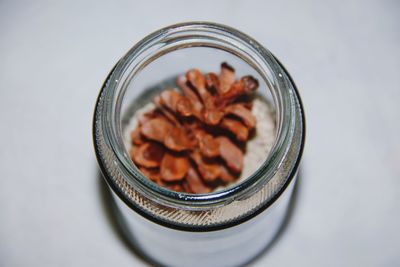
x: 199, y: 34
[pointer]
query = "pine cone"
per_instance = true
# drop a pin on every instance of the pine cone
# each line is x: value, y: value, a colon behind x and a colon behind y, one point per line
x: 192, y: 141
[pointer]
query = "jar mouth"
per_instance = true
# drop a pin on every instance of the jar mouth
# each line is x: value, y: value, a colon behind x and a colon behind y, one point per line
x: 198, y: 34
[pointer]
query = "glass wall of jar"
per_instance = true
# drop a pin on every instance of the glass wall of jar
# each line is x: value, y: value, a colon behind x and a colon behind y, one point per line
x: 227, y: 227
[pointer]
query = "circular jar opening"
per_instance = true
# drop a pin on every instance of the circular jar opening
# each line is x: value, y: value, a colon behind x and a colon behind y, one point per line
x: 153, y: 64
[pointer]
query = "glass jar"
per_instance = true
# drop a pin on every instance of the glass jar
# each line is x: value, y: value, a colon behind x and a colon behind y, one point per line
x: 223, y: 228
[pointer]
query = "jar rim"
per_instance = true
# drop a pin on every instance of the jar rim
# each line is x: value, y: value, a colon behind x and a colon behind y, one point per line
x: 262, y: 58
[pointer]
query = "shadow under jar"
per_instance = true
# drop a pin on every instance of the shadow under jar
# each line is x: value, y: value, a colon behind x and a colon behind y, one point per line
x: 227, y: 227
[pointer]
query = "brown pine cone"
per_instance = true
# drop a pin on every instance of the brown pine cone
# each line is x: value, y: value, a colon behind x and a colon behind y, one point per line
x: 192, y: 141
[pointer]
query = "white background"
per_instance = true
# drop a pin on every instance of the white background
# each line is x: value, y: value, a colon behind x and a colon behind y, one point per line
x: 344, y: 58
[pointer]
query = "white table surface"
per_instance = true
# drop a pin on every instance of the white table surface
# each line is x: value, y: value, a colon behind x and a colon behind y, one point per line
x: 345, y: 59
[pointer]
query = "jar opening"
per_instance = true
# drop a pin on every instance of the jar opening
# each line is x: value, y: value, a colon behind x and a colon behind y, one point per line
x: 186, y: 37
